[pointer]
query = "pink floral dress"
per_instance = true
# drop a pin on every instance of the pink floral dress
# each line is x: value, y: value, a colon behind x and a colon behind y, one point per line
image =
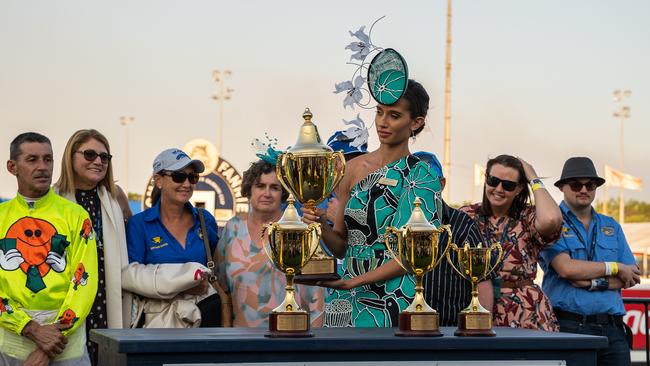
x: 526, y: 306
x: 256, y: 286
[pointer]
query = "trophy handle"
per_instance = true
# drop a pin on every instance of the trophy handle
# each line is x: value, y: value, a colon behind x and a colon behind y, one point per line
x: 454, y: 247
x: 339, y: 177
x: 396, y: 232
x: 280, y: 164
x: 499, y: 249
x: 314, y: 242
x: 441, y: 229
x: 271, y: 230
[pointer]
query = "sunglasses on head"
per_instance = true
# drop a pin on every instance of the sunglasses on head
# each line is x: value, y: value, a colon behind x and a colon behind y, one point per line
x: 180, y: 177
x: 91, y: 155
x: 507, y: 185
x: 576, y: 186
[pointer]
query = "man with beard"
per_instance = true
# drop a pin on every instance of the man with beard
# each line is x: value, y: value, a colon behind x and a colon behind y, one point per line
x: 586, y: 268
x: 48, y: 265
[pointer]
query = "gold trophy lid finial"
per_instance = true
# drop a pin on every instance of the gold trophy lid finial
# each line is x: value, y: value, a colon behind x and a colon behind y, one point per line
x: 419, y: 222
x: 306, y: 115
x: 290, y: 219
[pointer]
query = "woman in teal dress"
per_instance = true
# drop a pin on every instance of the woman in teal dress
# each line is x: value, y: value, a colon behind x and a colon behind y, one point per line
x: 378, y: 191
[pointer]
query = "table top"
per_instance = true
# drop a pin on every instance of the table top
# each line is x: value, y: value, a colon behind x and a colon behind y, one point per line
x: 353, y: 339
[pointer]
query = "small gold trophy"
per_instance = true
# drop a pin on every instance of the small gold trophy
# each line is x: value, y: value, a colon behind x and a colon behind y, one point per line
x: 292, y: 243
x: 474, y: 265
x: 418, y: 251
x: 310, y: 170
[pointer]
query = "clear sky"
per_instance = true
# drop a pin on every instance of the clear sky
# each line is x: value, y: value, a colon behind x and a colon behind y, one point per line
x: 530, y: 78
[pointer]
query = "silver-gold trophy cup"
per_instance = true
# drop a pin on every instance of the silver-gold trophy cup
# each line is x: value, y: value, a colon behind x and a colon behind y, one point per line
x: 475, y: 264
x: 310, y: 170
x: 291, y: 244
x: 416, y: 247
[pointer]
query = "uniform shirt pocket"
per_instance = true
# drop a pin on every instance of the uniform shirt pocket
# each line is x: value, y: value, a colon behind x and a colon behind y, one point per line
x: 576, y: 249
x: 607, y: 249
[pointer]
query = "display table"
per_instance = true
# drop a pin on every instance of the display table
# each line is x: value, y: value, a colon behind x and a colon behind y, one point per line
x: 334, y: 345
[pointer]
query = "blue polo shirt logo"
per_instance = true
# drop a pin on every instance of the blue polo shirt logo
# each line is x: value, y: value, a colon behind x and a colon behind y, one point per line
x: 156, y: 241
x: 566, y: 232
x: 607, y: 230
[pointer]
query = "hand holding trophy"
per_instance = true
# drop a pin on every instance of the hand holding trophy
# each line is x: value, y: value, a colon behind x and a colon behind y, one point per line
x: 417, y: 250
x: 474, y: 264
x: 310, y: 170
x: 292, y: 243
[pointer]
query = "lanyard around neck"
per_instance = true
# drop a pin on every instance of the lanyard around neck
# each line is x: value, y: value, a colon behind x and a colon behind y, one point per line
x: 591, y: 250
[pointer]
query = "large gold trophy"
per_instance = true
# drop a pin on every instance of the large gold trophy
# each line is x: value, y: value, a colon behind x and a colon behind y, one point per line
x: 292, y: 243
x: 474, y: 264
x: 310, y: 170
x: 418, y: 251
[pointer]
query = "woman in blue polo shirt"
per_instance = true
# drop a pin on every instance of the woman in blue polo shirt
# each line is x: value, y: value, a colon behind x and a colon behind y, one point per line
x: 170, y: 231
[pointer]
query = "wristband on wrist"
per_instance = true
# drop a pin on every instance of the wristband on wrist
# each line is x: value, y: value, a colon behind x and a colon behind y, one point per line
x: 599, y: 284
x: 608, y: 268
x: 536, y: 184
x: 593, y: 285
x: 614, y: 268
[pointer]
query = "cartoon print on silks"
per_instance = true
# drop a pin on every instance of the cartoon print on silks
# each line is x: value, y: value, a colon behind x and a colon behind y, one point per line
x: 68, y: 318
x: 80, y: 276
x: 5, y: 307
x: 35, y: 246
x: 86, y: 232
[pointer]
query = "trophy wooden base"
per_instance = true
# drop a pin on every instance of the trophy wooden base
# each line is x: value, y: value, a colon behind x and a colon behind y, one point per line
x: 418, y: 324
x: 318, y: 269
x: 289, y: 324
x: 475, y: 325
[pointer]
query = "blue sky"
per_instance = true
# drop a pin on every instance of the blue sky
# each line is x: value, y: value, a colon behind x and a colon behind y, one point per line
x: 530, y: 78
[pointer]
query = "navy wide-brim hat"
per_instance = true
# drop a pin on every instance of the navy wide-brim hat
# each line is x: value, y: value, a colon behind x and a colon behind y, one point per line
x: 579, y: 168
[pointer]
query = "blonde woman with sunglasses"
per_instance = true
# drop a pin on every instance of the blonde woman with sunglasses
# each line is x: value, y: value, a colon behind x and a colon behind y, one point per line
x: 506, y: 216
x: 87, y: 179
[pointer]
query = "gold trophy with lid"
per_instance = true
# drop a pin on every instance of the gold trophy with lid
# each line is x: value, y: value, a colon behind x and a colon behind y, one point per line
x: 416, y: 247
x: 291, y: 244
x: 310, y: 170
x: 474, y: 264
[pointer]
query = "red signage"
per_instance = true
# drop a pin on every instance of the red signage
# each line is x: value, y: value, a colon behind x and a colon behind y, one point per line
x: 634, y: 314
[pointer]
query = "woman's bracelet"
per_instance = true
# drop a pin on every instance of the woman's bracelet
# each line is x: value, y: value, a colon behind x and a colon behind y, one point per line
x: 536, y: 184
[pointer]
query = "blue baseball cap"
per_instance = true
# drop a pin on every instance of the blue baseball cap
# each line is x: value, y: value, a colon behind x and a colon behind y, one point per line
x: 432, y: 160
x: 175, y: 159
x: 340, y: 142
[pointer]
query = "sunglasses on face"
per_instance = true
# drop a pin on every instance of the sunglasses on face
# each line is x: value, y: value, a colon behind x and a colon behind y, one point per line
x: 577, y: 186
x: 180, y: 177
x: 91, y: 155
x: 507, y: 185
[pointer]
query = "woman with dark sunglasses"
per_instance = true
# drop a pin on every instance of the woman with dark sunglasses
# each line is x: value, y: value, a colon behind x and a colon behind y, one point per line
x: 87, y: 179
x: 170, y: 233
x: 506, y: 216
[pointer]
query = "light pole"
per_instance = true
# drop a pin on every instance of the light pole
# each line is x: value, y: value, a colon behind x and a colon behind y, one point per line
x: 223, y: 93
x: 126, y: 121
x: 446, y: 157
x: 622, y: 113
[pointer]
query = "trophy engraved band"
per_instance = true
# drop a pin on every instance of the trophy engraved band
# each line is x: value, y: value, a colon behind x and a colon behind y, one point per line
x: 474, y: 264
x: 291, y: 244
x: 417, y: 250
x: 310, y: 170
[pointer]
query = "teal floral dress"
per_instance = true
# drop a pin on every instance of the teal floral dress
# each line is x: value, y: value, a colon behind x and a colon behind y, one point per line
x: 384, y: 198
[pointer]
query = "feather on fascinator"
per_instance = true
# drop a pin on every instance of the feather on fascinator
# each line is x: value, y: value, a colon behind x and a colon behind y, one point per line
x: 266, y: 150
